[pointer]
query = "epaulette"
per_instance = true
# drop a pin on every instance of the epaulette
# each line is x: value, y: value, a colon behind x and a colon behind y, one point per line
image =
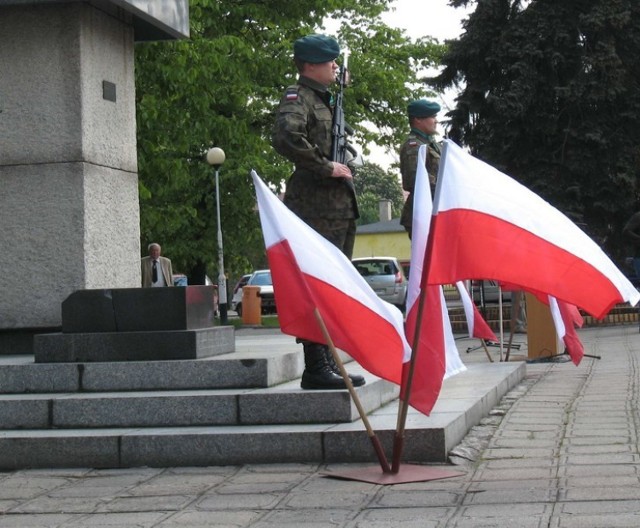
x: 292, y: 93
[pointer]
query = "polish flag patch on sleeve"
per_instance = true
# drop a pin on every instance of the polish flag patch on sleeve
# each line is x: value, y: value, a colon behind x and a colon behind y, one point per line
x: 291, y: 94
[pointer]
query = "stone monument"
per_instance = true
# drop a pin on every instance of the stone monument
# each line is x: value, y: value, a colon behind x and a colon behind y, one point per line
x: 69, y: 212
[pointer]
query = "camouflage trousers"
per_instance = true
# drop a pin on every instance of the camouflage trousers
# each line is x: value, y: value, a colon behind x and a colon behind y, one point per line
x: 340, y: 232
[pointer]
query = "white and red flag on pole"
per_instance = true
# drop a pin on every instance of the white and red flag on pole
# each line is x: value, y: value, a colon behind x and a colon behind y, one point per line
x: 310, y: 273
x: 488, y: 226
x: 435, y: 356
x: 566, y: 317
x: 478, y: 327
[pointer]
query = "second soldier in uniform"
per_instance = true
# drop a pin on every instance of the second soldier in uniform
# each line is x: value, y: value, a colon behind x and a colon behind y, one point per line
x: 423, y: 123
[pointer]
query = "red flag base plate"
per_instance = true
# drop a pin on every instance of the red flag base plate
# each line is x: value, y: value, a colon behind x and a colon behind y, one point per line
x: 406, y: 473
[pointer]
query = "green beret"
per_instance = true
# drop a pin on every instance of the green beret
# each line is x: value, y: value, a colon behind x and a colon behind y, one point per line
x: 423, y: 108
x: 316, y: 49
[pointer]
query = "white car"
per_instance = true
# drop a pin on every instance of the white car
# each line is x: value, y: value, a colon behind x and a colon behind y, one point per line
x: 260, y: 278
x: 386, y: 277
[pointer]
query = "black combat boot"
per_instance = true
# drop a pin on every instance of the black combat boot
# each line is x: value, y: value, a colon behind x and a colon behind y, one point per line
x: 318, y: 374
x: 356, y: 379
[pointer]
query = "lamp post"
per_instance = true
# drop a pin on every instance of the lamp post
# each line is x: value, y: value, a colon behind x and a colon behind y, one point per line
x: 216, y: 157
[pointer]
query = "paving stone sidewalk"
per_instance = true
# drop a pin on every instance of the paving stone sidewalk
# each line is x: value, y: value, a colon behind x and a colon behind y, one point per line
x: 561, y: 451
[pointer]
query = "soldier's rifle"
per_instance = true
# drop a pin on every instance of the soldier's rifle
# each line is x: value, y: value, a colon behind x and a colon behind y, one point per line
x: 341, y: 150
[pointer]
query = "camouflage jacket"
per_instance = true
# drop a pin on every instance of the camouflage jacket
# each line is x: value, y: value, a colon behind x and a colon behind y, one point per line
x: 302, y: 133
x: 408, y: 165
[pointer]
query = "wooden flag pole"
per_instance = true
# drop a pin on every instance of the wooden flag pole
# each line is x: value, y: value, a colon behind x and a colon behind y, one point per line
x: 410, y: 472
x: 486, y: 350
x: 398, y: 441
x: 356, y: 400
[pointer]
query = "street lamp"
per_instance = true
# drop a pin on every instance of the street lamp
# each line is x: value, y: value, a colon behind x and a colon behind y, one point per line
x: 216, y: 157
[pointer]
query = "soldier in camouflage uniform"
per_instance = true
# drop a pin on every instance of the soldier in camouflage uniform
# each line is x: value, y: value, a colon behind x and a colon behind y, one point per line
x: 319, y: 191
x: 423, y: 122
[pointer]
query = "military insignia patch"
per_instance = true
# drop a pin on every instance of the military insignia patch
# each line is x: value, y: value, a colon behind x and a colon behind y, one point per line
x: 291, y: 94
x: 413, y: 143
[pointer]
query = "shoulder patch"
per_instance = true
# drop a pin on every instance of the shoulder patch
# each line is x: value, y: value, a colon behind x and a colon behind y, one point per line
x: 413, y: 143
x: 291, y: 94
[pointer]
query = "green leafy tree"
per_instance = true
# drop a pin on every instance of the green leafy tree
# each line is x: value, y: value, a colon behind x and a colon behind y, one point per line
x: 373, y: 184
x: 551, y: 96
x: 221, y: 88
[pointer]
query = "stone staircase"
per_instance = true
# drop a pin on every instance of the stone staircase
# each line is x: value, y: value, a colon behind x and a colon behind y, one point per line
x: 245, y: 406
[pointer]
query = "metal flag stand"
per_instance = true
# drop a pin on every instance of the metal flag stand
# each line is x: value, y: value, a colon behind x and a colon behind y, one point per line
x: 484, y: 344
x: 516, y: 311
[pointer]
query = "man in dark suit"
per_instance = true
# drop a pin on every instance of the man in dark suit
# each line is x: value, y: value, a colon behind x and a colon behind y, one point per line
x: 156, y: 270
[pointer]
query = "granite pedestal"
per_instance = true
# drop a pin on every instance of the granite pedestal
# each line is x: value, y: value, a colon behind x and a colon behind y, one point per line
x: 136, y: 324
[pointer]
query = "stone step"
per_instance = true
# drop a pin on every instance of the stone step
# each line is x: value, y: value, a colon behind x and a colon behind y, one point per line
x: 240, y: 369
x: 254, y: 363
x: 464, y: 400
x: 281, y: 404
x: 162, y: 413
x: 133, y: 346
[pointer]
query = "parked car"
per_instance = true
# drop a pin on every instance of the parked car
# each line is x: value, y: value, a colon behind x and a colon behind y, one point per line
x: 386, y: 278
x: 236, y: 299
x: 261, y: 278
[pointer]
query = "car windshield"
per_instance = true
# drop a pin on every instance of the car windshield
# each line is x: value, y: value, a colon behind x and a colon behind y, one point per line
x: 375, y: 267
x: 262, y: 279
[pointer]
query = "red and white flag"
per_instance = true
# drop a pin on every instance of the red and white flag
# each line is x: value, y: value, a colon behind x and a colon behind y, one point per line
x: 478, y: 327
x: 436, y: 355
x: 488, y: 226
x: 565, y: 318
x: 310, y: 273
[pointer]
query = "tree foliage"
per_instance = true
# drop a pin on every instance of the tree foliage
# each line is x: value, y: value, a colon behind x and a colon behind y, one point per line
x: 221, y: 87
x: 373, y: 184
x: 551, y: 96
